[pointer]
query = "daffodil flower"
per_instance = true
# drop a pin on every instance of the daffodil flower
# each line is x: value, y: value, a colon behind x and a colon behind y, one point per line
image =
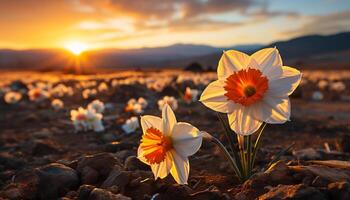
x: 166, y: 145
x: 252, y: 89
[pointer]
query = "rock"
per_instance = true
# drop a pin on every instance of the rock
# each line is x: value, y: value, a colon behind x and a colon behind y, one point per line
x: 247, y: 194
x: 317, y: 182
x: 18, y: 85
x: 55, y: 180
x: 44, y: 147
x: 339, y: 190
x: 340, y: 164
x: 71, y: 195
x: 11, y: 192
x: 298, y: 192
x: 173, y: 192
x: 307, y: 154
x: 327, y: 173
x: 89, y: 175
x: 118, y: 146
x: 84, y: 191
x: 118, y: 178
x: 42, y: 134
x: 141, y: 184
x: 132, y: 163
x: 279, y: 173
x: 212, y: 193
x: 47, y: 182
x: 101, y: 163
x: 31, y: 118
x: 276, y: 174
x: 101, y: 194
x: 123, y: 154
x: 24, y: 186
x: 345, y: 143
x: 108, y: 137
x: 257, y: 181
x: 10, y: 162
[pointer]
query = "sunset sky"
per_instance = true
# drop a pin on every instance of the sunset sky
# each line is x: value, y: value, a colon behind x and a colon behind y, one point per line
x: 146, y: 23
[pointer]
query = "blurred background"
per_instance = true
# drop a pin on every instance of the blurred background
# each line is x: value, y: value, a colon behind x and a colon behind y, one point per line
x: 95, y: 35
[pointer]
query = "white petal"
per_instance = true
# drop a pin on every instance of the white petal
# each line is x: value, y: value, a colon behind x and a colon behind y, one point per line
x: 149, y: 121
x: 169, y: 120
x: 141, y: 156
x: 242, y: 121
x: 277, y: 108
x: 270, y: 62
x: 232, y: 61
x: 257, y: 111
x: 180, y: 169
x: 162, y: 169
x: 186, y: 139
x: 214, y: 97
x: 286, y: 84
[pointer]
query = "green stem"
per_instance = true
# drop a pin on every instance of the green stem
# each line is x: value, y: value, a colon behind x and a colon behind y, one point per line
x: 242, y: 156
x: 257, y: 144
x: 228, y: 156
x: 231, y: 139
x: 249, y: 155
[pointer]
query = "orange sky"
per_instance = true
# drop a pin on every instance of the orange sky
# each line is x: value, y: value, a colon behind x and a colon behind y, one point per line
x: 139, y: 23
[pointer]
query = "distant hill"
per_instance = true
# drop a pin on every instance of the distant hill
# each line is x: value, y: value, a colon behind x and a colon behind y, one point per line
x: 314, y: 51
x: 42, y: 59
x: 307, y: 52
x: 313, y: 45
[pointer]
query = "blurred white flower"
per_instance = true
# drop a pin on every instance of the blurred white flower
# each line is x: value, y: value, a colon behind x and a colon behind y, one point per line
x: 88, y: 93
x: 103, y: 87
x: 131, y: 125
x: 136, y: 106
x: 57, y: 104
x: 60, y: 90
x: 191, y: 95
x: 143, y: 102
x: 78, y: 118
x: 97, y: 105
x: 338, y: 86
x: 38, y: 94
x: 171, y: 101
x: 94, y: 120
x: 12, y: 97
x: 87, y: 119
x: 317, y: 96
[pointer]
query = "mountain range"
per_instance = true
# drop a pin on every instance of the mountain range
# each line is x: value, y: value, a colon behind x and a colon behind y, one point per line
x: 312, y: 51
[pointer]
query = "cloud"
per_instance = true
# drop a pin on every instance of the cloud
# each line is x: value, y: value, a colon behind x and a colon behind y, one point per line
x: 193, y: 8
x: 175, y: 15
x: 322, y: 24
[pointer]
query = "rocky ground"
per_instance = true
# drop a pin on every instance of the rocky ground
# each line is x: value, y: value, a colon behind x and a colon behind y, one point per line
x: 42, y: 157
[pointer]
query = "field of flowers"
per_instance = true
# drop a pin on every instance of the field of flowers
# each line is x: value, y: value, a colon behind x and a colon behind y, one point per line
x: 164, y: 134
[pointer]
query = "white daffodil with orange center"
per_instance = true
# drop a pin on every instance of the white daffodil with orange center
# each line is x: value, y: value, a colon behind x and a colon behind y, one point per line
x: 252, y: 89
x: 166, y: 145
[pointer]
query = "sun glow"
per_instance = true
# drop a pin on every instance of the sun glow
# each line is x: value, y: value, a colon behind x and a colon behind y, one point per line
x: 76, y: 47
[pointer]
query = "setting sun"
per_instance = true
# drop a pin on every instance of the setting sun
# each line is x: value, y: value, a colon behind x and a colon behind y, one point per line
x: 76, y: 47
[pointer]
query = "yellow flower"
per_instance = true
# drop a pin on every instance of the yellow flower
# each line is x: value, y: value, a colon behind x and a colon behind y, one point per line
x: 252, y: 89
x: 166, y: 145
